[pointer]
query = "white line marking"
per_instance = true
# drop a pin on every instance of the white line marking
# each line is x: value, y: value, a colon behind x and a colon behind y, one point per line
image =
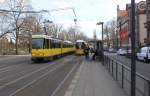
x: 74, y: 82
x: 16, y: 80
x: 8, y: 67
x: 13, y: 94
x: 21, y: 72
x: 62, y: 82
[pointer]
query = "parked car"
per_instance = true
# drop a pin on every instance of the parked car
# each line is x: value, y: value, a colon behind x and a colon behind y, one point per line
x: 144, y: 54
x: 112, y: 50
x: 122, y: 52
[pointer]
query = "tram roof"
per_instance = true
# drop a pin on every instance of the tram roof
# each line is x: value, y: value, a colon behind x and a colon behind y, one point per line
x: 45, y: 36
x: 41, y: 36
x: 80, y: 41
x: 67, y: 41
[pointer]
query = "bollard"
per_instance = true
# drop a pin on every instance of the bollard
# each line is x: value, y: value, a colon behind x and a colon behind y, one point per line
x: 116, y: 71
x: 109, y: 66
x: 112, y: 67
x: 122, y: 84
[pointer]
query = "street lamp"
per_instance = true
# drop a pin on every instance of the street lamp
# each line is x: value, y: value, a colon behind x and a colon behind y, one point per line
x: 101, y: 23
x: 75, y: 22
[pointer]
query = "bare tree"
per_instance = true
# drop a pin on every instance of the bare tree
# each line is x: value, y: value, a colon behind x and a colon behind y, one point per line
x: 54, y: 29
x: 72, y: 34
x: 5, y: 24
x: 15, y: 17
x: 110, y: 31
x: 106, y: 32
x: 30, y: 25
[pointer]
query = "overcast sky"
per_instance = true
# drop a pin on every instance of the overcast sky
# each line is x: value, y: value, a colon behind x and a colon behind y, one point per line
x: 89, y: 12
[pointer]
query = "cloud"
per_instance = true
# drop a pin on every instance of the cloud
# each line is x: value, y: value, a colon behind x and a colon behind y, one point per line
x: 87, y: 27
x: 2, y: 1
x: 61, y: 4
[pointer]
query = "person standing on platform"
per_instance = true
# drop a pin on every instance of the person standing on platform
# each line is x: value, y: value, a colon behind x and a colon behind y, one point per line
x: 86, y: 51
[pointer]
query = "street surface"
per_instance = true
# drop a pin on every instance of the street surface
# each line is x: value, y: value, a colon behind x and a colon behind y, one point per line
x: 20, y: 77
x: 141, y: 67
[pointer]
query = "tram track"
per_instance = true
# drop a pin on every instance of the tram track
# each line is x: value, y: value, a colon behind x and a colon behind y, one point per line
x: 10, y: 84
x: 7, y: 63
x: 51, y: 83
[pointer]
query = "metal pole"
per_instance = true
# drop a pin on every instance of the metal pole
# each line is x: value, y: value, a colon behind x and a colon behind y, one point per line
x: 120, y: 33
x: 117, y: 39
x: 75, y: 21
x: 133, y: 59
x: 102, y: 31
x: 102, y: 47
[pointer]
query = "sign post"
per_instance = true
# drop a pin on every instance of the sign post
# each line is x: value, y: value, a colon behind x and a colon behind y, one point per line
x: 133, y: 55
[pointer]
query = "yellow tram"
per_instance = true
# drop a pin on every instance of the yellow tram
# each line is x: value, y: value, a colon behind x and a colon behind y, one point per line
x: 47, y: 48
x: 79, y: 45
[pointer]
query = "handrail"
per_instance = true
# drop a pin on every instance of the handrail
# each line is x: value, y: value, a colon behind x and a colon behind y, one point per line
x: 109, y: 62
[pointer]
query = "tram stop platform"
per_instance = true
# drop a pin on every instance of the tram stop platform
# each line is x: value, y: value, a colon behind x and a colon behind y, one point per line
x: 92, y: 79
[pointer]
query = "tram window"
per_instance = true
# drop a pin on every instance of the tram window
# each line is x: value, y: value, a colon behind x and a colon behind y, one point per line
x: 83, y: 45
x: 52, y: 44
x: 77, y: 46
x: 59, y: 44
x: 37, y: 43
x: 46, y: 43
x: 56, y: 44
x: 67, y: 45
x: 63, y: 45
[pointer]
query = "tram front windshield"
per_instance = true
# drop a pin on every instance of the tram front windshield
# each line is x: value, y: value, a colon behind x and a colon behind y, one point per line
x: 37, y: 43
x: 80, y: 45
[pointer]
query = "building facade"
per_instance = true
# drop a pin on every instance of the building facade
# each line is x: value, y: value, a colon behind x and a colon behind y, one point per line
x: 140, y: 24
x: 4, y: 45
x: 123, y: 28
x: 148, y: 21
x: 124, y: 22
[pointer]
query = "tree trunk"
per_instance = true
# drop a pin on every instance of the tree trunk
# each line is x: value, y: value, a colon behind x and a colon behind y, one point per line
x: 16, y: 42
x: 16, y: 39
x: 107, y: 39
x: 30, y: 42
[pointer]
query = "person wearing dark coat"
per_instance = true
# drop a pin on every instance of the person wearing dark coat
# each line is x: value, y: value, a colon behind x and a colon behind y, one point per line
x: 86, y: 51
x: 95, y: 54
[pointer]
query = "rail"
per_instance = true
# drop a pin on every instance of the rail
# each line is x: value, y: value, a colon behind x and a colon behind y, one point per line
x: 122, y: 74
